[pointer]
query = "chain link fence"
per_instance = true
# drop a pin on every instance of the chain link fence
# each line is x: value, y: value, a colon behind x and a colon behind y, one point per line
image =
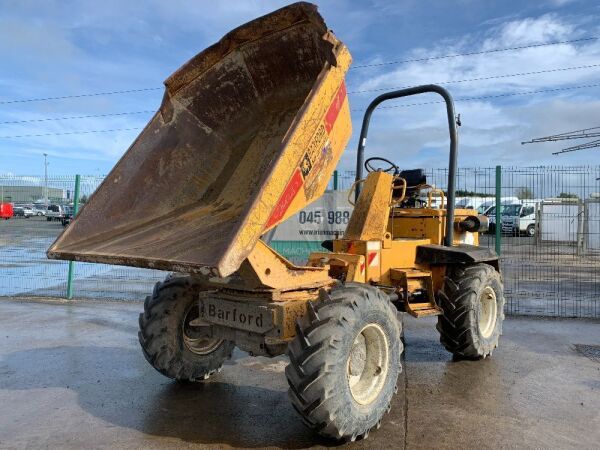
x: 39, y: 207
x: 549, y: 236
x: 550, y: 233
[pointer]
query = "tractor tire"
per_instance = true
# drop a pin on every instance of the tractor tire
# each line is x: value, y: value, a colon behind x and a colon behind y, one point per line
x: 472, y: 300
x: 167, y: 339
x: 345, y: 361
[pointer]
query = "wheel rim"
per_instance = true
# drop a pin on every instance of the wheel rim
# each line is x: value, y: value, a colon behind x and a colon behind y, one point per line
x: 487, y: 312
x: 531, y: 231
x: 367, y: 366
x: 192, y: 339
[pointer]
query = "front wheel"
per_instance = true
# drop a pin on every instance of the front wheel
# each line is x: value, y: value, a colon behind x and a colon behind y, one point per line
x: 530, y: 230
x: 345, y: 361
x: 472, y: 301
x: 169, y: 341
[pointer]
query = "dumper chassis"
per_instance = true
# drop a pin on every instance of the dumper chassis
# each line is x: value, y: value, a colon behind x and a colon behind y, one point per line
x: 249, y: 132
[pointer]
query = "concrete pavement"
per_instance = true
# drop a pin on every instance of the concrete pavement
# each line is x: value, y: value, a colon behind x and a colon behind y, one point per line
x: 72, y: 376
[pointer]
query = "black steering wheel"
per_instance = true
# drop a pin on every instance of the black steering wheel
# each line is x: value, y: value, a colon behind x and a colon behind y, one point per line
x: 392, y: 167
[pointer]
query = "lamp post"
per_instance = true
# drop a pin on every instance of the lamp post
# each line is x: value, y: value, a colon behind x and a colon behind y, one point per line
x: 46, y: 180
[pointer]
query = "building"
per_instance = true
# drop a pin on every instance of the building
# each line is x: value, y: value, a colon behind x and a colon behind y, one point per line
x: 30, y: 194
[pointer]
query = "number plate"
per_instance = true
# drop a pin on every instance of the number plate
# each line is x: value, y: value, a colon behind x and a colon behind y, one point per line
x: 242, y: 316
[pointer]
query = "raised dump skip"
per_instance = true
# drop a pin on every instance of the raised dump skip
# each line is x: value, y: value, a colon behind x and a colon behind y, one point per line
x: 249, y: 132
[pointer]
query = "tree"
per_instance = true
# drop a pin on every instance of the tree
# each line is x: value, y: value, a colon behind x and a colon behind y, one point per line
x: 567, y: 195
x: 524, y: 193
x: 465, y: 193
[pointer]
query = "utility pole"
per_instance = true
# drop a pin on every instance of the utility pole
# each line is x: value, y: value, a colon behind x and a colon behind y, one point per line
x: 46, y: 180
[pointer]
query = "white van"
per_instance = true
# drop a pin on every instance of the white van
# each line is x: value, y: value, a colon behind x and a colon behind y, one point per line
x: 473, y: 202
x: 488, y: 208
x: 519, y: 218
x: 484, y: 207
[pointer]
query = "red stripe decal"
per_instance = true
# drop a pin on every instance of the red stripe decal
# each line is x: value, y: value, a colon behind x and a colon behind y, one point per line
x: 286, y: 198
x: 334, y: 108
x: 372, y: 256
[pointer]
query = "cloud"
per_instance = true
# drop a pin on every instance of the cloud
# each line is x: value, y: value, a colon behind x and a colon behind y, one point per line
x: 59, y: 48
x: 492, y: 129
x: 560, y: 2
x: 548, y: 27
x: 72, y: 47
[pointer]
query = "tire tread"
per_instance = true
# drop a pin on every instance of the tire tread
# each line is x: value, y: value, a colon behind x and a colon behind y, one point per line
x: 156, y: 340
x: 313, y: 354
x: 458, y: 298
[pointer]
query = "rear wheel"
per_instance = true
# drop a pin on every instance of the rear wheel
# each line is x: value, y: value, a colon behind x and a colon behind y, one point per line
x: 472, y: 300
x: 345, y: 361
x: 170, y: 343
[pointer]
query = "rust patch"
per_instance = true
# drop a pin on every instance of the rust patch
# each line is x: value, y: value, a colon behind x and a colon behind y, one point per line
x: 185, y: 196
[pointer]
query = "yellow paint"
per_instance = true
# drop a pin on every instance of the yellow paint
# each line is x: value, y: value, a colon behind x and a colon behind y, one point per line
x: 274, y: 271
x: 372, y: 211
x: 388, y: 237
x: 341, y: 265
x: 306, y: 133
x: 410, y: 280
x: 427, y: 223
x: 401, y: 255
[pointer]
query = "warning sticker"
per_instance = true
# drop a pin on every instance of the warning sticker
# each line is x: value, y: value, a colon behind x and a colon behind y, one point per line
x: 306, y: 165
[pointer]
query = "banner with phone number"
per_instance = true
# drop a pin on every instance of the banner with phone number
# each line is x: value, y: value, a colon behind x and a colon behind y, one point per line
x: 303, y: 233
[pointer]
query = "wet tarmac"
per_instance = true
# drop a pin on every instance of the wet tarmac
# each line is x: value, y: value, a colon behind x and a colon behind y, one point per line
x: 72, y: 376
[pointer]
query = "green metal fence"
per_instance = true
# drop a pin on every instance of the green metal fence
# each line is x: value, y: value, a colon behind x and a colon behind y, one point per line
x: 556, y: 270
x: 550, y: 259
x: 24, y: 268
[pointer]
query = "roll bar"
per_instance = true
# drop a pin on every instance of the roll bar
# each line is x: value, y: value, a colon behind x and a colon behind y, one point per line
x: 449, y: 236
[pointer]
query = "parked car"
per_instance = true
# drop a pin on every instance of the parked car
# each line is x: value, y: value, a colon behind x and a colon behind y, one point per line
x: 22, y: 211
x: 6, y: 210
x: 68, y: 216
x: 39, y: 210
x: 55, y: 212
x: 519, y: 218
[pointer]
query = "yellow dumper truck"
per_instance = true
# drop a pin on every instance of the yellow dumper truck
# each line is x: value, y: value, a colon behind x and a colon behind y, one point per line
x: 248, y: 133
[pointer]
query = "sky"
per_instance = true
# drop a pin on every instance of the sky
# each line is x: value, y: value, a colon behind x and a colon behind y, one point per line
x: 72, y: 48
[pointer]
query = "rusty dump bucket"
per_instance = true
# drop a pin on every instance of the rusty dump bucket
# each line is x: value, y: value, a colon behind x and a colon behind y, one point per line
x: 249, y: 132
